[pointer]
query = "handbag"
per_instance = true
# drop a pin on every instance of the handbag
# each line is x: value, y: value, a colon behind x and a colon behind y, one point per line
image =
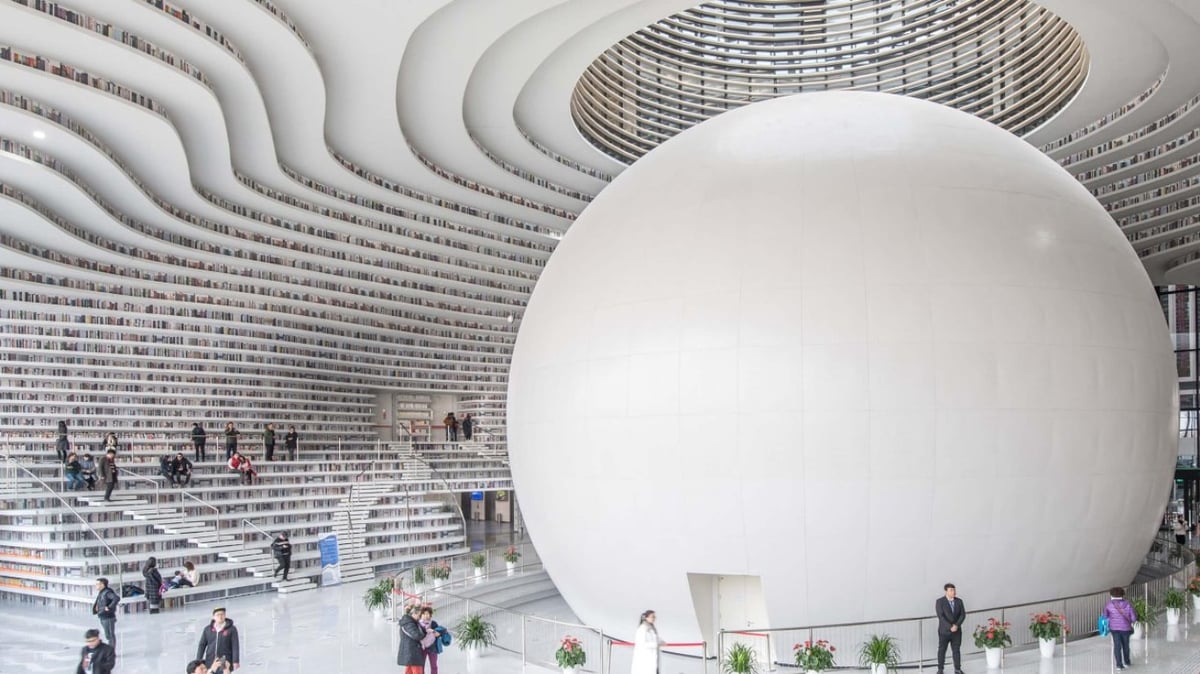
x: 1102, y: 625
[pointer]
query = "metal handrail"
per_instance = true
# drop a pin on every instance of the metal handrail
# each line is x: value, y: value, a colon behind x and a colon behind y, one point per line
x: 143, y: 478
x: 206, y: 504
x: 256, y: 528
x: 1187, y: 559
x: 120, y: 564
x: 434, y: 473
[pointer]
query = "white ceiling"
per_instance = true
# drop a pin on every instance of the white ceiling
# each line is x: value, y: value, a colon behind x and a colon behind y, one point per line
x: 479, y: 89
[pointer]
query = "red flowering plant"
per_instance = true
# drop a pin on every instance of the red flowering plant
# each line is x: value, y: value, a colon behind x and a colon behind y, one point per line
x: 1193, y: 587
x: 1048, y: 625
x: 570, y: 653
x: 439, y: 570
x: 993, y: 635
x: 511, y: 555
x: 814, y: 656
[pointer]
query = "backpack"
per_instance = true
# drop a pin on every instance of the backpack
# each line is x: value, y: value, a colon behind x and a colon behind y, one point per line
x: 1102, y: 625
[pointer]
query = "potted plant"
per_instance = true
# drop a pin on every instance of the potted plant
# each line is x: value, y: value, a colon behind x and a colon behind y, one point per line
x: 1173, y: 600
x: 993, y: 638
x: 510, y: 559
x: 474, y: 634
x: 814, y: 656
x: 478, y: 563
x: 570, y: 655
x: 740, y: 659
x: 377, y: 596
x: 880, y: 653
x: 1047, y: 628
x: 1145, y: 617
x: 1193, y: 589
x: 439, y: 572
x: 418, y: 576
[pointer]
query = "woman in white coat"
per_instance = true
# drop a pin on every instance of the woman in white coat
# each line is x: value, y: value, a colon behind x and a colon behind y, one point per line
x: 646, y: 646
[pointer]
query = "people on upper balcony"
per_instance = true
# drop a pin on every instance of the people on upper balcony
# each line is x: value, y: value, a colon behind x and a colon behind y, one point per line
x: 231, y: 439
x: 291, y: 442
x: 181, y: 470
x: 87, y: 467
x: 451, y: 423
x: 110, y: 442
x: 269, y: 442
x: 468, y: 426
x: 199, y: 440
x: 62, y: 444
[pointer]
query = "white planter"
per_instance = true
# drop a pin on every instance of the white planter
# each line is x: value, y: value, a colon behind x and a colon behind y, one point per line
x: 479, y: 572
x: 1173, y: 615
x: 879, y: 669
x: 1139, y: 630
x: 438, y: 583
x: 1196, y: 603
x: 993, y: 657
x: 570, y: 670
x: 510, y: 567
x: 473, y: 655
x: 1046, y: 646
x: 418, y: 588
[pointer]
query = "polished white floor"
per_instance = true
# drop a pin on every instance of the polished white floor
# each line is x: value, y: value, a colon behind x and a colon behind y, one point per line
x: 328, y: 630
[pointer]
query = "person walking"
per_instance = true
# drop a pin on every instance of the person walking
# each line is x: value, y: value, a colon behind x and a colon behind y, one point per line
x: 291, y: 442
x: 105, y: 608
x: 108, y: 472
x: 62, y: 444
x: 269, y: 442
x: 219, y: 640
x: 199, y: 440
x: 154, y: 583
x: 646, y: 646
x: 231, y: 436
x: 96, y: 657
x: 1180, y: 529
x: 468, y: 426
x: 1121, y: 617
x: 441, y: 637
x: 951, y: 612
x: 411, y: 655
x: 281, y: 547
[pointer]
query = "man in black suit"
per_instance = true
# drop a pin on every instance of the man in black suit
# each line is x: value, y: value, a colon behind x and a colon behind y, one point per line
x: 950, y: 614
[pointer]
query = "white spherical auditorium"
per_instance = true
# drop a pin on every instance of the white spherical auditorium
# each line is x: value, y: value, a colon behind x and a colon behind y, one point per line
x: 854, y: 345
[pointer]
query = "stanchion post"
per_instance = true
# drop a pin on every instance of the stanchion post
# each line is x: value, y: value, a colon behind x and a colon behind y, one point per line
x: 921, y: 644
x: 704, y: 655
x: 523, y: 661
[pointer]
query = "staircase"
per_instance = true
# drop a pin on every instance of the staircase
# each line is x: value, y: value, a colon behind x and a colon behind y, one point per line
x: 174, y: 522
x: 350, y: 525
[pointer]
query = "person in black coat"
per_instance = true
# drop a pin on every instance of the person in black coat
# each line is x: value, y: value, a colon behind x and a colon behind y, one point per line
x: 96, y: 657
x: 468, y: 426
x: 109, y: 472
x: 199, y: 440
x: 291, y: 443
x: 411, y: 655
x: 951, y: 612
x: 219, y: 640
x: 62, y: 445
x: 281, y: 547
x: 105, y: 608
x: 154, y: 583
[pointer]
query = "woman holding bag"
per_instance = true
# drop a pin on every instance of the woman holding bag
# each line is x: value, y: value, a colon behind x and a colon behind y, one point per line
x: 1121, y: 618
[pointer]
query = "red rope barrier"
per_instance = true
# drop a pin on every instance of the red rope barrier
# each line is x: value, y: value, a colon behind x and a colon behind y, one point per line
x: 753, y: 634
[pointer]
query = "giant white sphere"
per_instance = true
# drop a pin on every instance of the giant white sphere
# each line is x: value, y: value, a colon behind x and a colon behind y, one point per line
x: 856, y: 345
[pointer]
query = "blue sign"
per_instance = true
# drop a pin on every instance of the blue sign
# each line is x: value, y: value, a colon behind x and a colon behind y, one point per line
x: 331, y: 572
x: 476, y: 496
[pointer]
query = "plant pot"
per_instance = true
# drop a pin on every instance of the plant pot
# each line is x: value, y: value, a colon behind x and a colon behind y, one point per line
x: 418, y: 588
x: 570, y: 670
x: 1173, y: 615
x: 438, y: 583
x: 473, y: 655
x: 879, y: 669
x: 1046, y: 646
x: 1196, y: 603
x: 993, y: 656
x: 510, y: 567
x: 1139, y: 630
x: 478, y: 572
